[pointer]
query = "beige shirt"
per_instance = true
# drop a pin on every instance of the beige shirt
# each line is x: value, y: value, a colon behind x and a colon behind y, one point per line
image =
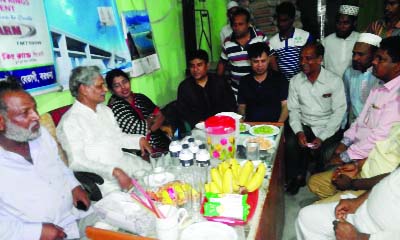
x: 320, y: 105
x: 385, y: 156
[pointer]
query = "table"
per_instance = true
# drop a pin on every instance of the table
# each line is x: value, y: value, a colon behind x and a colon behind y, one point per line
x: 268, y: 220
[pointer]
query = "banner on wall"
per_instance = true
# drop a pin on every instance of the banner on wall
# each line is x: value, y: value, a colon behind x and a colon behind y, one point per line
x: 25, y: 49
x: 139, y: 37
x: 86, y: 33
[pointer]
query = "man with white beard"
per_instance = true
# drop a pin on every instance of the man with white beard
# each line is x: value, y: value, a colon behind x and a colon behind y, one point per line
x: 38, y: 192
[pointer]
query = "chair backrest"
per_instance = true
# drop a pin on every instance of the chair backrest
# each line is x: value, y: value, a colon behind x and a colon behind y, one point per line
x: 47, y: 121
x: 57, y: 114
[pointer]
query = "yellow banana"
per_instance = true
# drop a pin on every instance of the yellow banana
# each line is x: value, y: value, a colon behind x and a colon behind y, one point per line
x: 257, y: 179
x: 214, y: 188
x: 233, y: 161
x: 245, y: 171
x: 235, y: 171
x: 216, y: 177
x: 207, y: 187
x: 222, y: 167
x: 227, y: 181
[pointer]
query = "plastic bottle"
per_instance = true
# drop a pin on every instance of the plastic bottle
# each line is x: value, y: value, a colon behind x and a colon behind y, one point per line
x: 174, y: 149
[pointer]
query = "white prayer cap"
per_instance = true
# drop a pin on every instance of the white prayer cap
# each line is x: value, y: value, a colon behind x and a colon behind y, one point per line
x: 349, y: 10
x: 232, y: 4
x: 370, y: 39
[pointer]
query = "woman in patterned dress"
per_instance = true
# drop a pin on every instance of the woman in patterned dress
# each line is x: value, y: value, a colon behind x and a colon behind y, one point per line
x: 134, y: 112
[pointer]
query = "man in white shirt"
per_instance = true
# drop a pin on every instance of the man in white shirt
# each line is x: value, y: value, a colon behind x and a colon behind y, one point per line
x: 339, y: 45
x: 373, y: 215
x: 316, y: 104
x: 91, y: 137
x: 226, y: 31
x: 37, y: 192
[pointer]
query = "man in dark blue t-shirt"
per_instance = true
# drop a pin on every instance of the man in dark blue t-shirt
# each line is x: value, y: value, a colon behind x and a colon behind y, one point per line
x: 262, y: 93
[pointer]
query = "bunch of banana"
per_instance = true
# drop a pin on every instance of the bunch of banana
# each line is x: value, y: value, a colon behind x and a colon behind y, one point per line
x: 230, y: 177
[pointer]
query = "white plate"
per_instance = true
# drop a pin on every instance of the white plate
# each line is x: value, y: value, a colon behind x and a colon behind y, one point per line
x: 247, y: 127
x: 275, y: 130
x: 271, y: 142
x: 209, y: 230
x: 200, y: 125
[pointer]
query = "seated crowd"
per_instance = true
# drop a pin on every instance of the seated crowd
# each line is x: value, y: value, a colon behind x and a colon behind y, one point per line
x: 341, y: 111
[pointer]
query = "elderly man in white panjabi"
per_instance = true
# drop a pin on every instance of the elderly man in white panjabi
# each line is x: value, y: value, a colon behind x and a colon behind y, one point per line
x: 91, y: 137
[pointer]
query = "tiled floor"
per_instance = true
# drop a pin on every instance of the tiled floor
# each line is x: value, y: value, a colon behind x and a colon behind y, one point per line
x: 292, y: 206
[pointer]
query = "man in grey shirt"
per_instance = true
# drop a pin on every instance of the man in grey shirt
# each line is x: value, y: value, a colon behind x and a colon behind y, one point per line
x: 316, y: 104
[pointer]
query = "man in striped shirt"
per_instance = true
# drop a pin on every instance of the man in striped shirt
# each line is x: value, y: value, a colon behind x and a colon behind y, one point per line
x: 234, y: 50
x: 286, y: 44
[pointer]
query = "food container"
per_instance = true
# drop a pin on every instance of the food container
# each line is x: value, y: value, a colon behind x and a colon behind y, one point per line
x: 236, y: 117
x: 220, y: 132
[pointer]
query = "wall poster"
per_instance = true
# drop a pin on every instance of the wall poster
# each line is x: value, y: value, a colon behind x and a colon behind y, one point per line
x: 139, y: 37
x: 86, y: 33
x: 25, y: 49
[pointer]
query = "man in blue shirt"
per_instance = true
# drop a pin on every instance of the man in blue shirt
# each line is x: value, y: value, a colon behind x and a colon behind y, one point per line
x: 358, y: 79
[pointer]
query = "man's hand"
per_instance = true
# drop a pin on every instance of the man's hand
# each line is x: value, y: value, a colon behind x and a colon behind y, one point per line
x: 145, y: 146
x: 349, y: 169
x: 78, y: 194
x: 341, y: 148
x: 52, y: 232
x: 335, y: 160
x: 346, y: 231
x: 301, y: 139
x: 317, y: 143
x: 124, y: 181
x: 342, y: 182
x: 346, y: 206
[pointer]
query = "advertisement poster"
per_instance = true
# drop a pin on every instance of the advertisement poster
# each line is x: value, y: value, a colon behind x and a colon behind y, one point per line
x: 86, y: 33
x: 25, y: 49
x: 139, y: 38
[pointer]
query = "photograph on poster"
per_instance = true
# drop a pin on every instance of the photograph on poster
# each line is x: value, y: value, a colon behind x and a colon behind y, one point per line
x: 139, y: 37
x: 96, y: 40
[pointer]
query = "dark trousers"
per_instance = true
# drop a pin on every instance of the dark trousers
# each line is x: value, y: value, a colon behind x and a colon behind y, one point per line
x: 297, y: 158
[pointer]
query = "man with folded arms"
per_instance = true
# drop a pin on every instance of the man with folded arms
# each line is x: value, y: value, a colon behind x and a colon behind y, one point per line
x: 316, y: 104
x: 91, y: 137
x: 37, y: 192
x: 380, y: 112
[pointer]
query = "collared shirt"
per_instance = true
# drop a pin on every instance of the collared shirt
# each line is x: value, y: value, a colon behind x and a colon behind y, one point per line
x: 288, y: 51
x: 93, y: 142
x: 385, y: 157
x: 263, y: 100
x: 357, y: 87
x: 339, y: 52
x: 320, y: 105
x: 236, y: 55
x: 196, y: 103
x: 379, y: 27
x: 31, y: 194
x: 380, y: 112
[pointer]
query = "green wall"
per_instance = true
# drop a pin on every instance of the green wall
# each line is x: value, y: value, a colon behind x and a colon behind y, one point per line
x: 218, y: 19
x: 161, y: 85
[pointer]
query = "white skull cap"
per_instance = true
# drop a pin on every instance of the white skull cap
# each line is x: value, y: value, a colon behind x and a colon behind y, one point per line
x: 370, y: 39
x: 232, y: 4
x: 349, y: 10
